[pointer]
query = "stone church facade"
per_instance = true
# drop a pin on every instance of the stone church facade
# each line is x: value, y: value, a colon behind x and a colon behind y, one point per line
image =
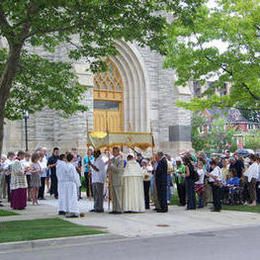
x: 138, y: 96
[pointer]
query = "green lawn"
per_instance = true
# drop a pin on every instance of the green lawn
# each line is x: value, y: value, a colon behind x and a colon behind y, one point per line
x: 42, y: 228
x: 244, y: 208
x: 4, y: 213
x: 175, y: 199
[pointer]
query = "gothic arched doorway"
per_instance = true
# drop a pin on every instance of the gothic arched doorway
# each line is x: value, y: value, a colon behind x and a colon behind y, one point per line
x: 108, y: 100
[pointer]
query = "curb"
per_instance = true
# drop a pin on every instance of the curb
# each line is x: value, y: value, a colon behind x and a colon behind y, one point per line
x: 53, y: 242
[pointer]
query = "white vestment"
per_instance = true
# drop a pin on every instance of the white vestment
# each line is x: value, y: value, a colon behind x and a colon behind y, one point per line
x: 68, y: 184
x: 133, y: 189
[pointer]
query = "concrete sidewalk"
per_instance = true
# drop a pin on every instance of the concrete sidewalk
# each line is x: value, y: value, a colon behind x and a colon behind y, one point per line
x: 176, y: 221
x: 150, y: 223
x: 46, y: 209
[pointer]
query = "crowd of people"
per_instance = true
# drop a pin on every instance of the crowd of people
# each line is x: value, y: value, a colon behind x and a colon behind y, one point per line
x: 228, y: 180
x: 130, y: 181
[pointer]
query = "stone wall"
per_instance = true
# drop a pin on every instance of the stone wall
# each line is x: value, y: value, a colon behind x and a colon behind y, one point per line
x: 167, y: 120
x: 150, y: 104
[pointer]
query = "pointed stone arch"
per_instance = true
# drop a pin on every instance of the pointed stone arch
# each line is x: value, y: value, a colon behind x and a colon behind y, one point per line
x: 136, y: 87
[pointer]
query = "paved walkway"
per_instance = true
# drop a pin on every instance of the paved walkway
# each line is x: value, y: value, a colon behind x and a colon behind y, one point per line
x: 150, y: 223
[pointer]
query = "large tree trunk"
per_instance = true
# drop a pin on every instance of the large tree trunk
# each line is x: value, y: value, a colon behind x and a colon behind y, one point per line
x: 6, y: 81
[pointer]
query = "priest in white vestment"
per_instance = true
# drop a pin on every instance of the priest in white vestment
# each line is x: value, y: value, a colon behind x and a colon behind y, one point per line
x: 133, y: 189
x: 61, y: 168
x: 68, y: 185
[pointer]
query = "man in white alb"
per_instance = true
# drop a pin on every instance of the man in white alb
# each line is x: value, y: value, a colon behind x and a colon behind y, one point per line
x: 69, y: 183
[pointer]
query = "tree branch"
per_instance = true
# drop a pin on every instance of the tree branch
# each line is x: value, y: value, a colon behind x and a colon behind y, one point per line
x: 208, y: 58
x: 31, y: 10
x: 74, y: 44
x: 244, y: 85
x: 256, y: 97
x: 57, y: 29
x: 6, y: 28
x: 50, y: 30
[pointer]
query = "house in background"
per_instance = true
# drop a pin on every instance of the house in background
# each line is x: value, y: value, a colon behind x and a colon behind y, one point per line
x: 233, y: 116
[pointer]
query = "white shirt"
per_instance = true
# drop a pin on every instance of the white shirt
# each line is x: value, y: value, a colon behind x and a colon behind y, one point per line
x: 44, y: 167
x: 72, y: 174
x: 201, y: 174
x: 61, y: 168
x: 259, y: 172
x: 26, y: 164
x: 66, y: 173
x: 100, y: 175
x: 252, y: 171
x: 217, y: 173
x: 6, y: 166
x: 105, y: 160
x: 7, y: 163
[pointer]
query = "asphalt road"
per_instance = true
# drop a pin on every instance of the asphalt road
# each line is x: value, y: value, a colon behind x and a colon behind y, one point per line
x: 230, y: 244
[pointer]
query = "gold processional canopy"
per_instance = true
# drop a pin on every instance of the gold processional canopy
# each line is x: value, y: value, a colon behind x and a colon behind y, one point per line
x: 100, y: 139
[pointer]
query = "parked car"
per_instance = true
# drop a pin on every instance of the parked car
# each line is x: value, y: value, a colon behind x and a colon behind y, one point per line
x: 217, y: 155
x: 244, y: 152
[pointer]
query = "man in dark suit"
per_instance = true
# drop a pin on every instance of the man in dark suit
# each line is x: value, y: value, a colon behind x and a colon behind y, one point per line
x: 52, y: 161
x: 161, y: 182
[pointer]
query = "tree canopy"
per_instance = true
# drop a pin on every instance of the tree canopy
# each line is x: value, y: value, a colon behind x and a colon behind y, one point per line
x: 220, y: 42
x: 89, y: 30
x: 216, y: 136
x: 252, y: 140
x: 41, y: 83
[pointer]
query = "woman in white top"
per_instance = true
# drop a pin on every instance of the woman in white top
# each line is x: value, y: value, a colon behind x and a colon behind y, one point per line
x: 199, y: 185
x: 147, y: 172
x: 43, y: 174
x: 215, y: 180
x: 251, y: 175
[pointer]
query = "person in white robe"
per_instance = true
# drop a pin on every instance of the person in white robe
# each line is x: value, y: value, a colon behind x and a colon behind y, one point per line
x: 133, y: 189
x: 62, y: 179
x: 69, y: 183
